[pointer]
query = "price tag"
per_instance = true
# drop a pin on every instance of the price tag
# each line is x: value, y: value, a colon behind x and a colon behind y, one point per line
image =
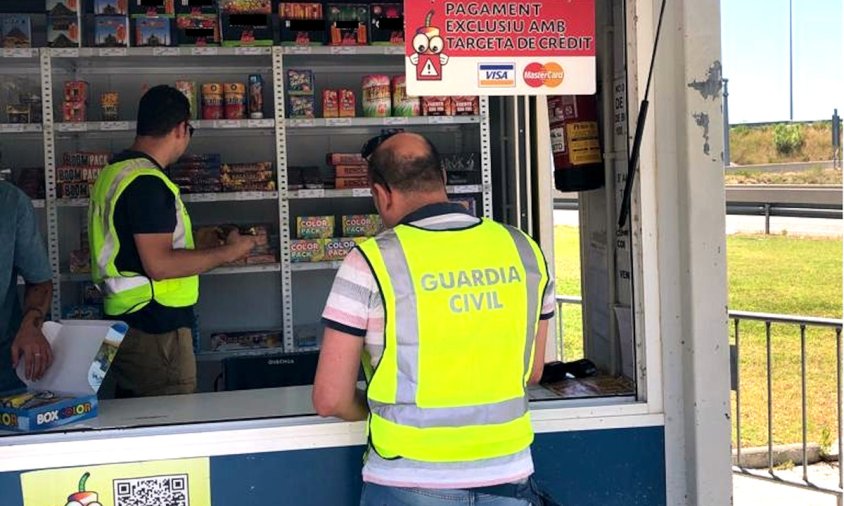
x: 166, y: 51
x: 205, y: 51
x: 248, y: 51
x: 344, y: 50
x: 361, y: 192
x: 12, y: 128
x: 227, y: 123
x: 18, y: 53
x: 301, y: 123
x: 298, y: 50
x: 113, y: 51
x: 66, y: 52
x: 259, y: 123
x: 338, y: 122
x: 114, y: 126
x: 487, y: 188
x: 440, y: 120
x: 396, y: 121
x: 73, y: 127
x: 203, y: 197
x: 312, y: 194
x: 394, y: 50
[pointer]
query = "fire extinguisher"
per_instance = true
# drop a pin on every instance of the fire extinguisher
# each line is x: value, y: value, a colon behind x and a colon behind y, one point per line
x: 575, y: 142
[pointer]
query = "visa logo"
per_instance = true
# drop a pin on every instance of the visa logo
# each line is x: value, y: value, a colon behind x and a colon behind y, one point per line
x: 497, y: 75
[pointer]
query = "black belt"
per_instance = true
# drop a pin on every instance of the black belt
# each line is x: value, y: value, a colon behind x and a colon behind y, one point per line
x: 510, y: 490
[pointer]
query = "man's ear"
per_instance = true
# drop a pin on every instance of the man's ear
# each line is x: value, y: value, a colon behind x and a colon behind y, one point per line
x: 382, y: 196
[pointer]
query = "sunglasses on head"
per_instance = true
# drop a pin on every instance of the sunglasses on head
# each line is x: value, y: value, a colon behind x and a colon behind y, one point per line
x: 372, y: 144
x: 190, y: 129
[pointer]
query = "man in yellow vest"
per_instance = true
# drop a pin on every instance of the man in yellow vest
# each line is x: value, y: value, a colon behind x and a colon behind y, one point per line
x: 450, y: 314
x: 142, y: 252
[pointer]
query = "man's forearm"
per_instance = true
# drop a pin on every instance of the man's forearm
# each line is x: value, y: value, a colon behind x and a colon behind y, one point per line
x: 181, y: 263
x: 36, y: 302
x: 358, y: 410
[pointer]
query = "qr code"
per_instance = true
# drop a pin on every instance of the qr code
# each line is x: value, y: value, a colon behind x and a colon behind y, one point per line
x: 169, y: 490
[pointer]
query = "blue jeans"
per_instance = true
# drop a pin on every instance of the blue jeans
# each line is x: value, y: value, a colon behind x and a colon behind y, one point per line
x: 379, y: 495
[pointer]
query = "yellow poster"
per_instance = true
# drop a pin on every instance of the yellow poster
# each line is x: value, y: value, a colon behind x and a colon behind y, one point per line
x: 183, y: 482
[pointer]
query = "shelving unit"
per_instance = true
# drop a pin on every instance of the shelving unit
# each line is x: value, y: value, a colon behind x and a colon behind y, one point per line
x: 282, y: 295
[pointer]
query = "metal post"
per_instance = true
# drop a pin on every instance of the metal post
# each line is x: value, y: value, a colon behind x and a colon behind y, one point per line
x: 836, y: 140
x: 791, y: 59
x: 726, y: 104
x: 738, y: 395
x: 803, y: 401
x: 840, y: 408
x: 767, y: 219
x: 770, y: 399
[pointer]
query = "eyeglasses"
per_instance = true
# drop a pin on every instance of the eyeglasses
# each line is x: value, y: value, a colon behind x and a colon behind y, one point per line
x: 191, y: 129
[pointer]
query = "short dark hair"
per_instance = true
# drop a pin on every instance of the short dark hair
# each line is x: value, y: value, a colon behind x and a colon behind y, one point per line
x: 421, y: 172
x: 161, y: 110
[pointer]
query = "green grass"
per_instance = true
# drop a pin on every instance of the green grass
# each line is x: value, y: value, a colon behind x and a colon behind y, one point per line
x: 815, y: 175
x: 771, y: 274
x: 751, y: 145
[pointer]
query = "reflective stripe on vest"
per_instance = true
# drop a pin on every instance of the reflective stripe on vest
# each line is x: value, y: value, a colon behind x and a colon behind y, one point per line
x: 127, y: 292
x: 458, y: 305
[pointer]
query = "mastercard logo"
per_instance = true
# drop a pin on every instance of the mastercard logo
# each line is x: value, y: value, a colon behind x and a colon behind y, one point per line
x: 537, y: 75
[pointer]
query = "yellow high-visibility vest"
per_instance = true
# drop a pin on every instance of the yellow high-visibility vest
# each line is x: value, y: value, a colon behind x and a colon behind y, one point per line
x: 461, y: 313
x: 128, y: 292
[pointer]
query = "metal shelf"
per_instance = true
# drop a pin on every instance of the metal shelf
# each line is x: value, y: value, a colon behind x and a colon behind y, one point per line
x: 365, y: 192
x: 315, y: 266
x: 222, y: 271
x: 193, y: 198
x: 381, y: 122
x: 39, y: 203
x: 397, y: 50
x: 19, y: 52
x: 20, y: 128
x: 215, y: 356
x: 129, y: 126
x: 122, y: 52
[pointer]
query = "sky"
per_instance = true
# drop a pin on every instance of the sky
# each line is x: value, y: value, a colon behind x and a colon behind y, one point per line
x: 754, y: 51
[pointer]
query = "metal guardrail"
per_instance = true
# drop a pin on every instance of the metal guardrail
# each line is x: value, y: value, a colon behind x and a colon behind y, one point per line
x: 769, y: 320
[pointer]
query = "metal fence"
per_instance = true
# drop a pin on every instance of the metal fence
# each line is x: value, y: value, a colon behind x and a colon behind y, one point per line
x: 769, y: 320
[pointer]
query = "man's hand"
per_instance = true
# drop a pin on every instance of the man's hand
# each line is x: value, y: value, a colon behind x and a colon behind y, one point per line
x: 32, y: 347
x: 241, y: 245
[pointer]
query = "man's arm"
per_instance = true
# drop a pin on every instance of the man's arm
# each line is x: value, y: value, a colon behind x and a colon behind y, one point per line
x: 335, y: 386
x: 539, y: 352
x: 30, y: 344
x: 161, y: 261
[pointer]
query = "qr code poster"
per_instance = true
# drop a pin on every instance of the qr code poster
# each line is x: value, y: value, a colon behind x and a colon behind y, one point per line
x: 183, y: 482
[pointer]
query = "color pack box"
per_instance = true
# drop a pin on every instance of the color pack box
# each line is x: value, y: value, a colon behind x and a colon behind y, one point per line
x: 152, y: 31
x: 15, y: 31
x: 198, y: 29
x: 386, y: 24
x: 307, y: 250
x: 314, y: 227
x: 338, y: 248
x: 361, y: 225
x: 82, y: 355
x: 111, y: 7
x: 111, y: 31
x: 247, y: 29
x: 153, y: 7
x: 347, y: 24
x: 302, y: 24
x: 300, y: 82
x: 63, y: 31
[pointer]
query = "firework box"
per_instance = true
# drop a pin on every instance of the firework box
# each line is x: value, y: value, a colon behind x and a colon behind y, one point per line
x: 63, y: 31
x: 111, y: 31
x: 386, y: 24
x: 152, y: 31
x: 196, y: 7
x: 111, y: 7
x: 82, y: 354
x: 314, y: 227
x: 62, y: 7
x: 345, y: 159
x: 15, y: 31
x: 247, y: 29
x: 338, y: 248
x: 361, y: 225
x: 302, y: 24
x: 198, y: 29
x: 347, y: 24
x: 300, y: 82
x: 307, y: 250
x: 153, y: 7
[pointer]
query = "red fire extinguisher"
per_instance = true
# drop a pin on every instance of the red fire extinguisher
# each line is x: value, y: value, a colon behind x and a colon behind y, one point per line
x: 575, y: 143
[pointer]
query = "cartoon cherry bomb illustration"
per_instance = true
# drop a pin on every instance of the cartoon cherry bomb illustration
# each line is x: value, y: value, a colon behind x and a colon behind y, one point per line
x: 428, y: 56
x: 83, y: 497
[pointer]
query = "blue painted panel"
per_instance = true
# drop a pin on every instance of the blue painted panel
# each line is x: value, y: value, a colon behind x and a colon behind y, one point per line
x: 10, y: 489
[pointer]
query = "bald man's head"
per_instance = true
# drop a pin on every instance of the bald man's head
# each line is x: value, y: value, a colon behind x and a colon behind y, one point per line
x: 407, y: 163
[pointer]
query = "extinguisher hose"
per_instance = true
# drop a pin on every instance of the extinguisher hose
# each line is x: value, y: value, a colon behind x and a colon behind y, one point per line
x: 633, y: 162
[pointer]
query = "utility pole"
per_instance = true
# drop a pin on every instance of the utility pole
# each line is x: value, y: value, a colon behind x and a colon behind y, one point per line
x: 836, y: 140
x: 726, y: 104
x: 791, y: 59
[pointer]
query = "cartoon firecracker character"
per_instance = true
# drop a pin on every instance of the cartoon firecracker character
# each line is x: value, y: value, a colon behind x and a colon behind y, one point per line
x: 428, y: 56
x: 83, y: 497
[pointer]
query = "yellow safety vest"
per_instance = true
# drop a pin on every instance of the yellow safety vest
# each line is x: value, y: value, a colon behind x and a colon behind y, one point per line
x: 128, y: 292
x: 461, y: 313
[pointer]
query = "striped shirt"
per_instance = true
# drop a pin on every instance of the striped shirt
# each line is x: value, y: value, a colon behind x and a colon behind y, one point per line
x: 355, y: 307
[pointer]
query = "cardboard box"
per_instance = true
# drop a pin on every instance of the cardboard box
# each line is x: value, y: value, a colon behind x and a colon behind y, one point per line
x: 314, y: 227
x: 307, y: 250
x: 338, y: 248
x: 300, y: 82
x: 76, y: 91
x: 111, y: 31
x: 330, y: 104
x: 361, y: 225
x: 347, y: 101
x: 250, y: 29
x: 63, y: 31
x: 82, y: 354
x: 348, y: 183
x: 153, y: 7
x: 386, y: 24
x: 153, y: 31
x: 15, y: 31
x: 111, y: 7
x: 198, y: 29
x: 357, y: 170
x: 301, y: 107
x: 63, y: 7
x: 196, y: 7
x: 468, y: 202
x: 246, y: 7
x: 466, y: 106
x: 235, y: 341
x: 74, y: 112
x: 302, y: 24
x: 437, y: 106
x: 347, y: 24
x: 345, y: 159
